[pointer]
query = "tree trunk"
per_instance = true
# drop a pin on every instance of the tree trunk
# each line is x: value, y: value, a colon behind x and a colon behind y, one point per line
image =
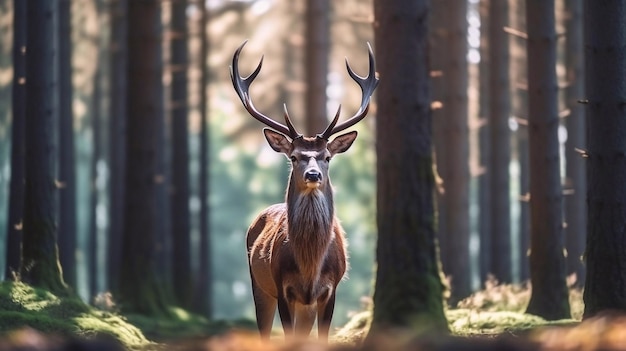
x: 605, y: 67
x: 484, y: 179
x: 316, y: 64
x: 117, y: 140
x: 455, y: 172
x: 96, y: 174
x: 549, y: 297
x: 519, y: 99
x: 438, y: 36
x: 18, y: 110
x: 204, y: 293
x: 575, y: 202
x: 408, y: 288
x: 67, y: 162
x: 141, y: 288
x: 40, y: 257
x: 500, y: 140
x: 180, y: 233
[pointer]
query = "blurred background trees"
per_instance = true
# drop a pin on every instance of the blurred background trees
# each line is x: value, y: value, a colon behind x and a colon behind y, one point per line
x: 163, y: 118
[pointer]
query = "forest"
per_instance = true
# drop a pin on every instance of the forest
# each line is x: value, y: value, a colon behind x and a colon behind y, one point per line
x: 483, y: 201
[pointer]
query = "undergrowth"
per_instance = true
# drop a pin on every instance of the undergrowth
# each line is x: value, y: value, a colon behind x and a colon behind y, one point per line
x: 496, y: 310
x: 23, y: 306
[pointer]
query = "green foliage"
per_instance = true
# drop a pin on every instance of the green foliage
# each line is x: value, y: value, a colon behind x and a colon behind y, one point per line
x: 24, y: 306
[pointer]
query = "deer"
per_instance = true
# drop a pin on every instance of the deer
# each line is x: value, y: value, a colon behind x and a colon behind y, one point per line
x: 297, y: 249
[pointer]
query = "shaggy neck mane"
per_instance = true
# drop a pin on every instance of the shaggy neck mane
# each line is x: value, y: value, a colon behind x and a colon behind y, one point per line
x: 310, y: 219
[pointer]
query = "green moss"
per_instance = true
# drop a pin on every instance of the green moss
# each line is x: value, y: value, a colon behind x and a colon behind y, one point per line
x: 471, y: 323
x: 24, y: 306
x: 497, y: 310
x: 178, y: 324
x: 355, y: 330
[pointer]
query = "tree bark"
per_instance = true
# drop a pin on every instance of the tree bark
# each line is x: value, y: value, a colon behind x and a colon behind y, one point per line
x: 408, y: 289
x: 605, y: 67
x: 179, y: 193
x: 519, y: 105
x: 317, y: 46
x: 40, y: 257
x: 500, y: 140
x: 484, y: 140
x: 99, y: 136
x: 18, y: 110
x: 204, y: 292
x: 549, y: 298
x: 67, y: 162
x: 575, y: 202
x: 455, y: 133
x: 117, y: 140
x: 141, y: 285
x: 438, y: 36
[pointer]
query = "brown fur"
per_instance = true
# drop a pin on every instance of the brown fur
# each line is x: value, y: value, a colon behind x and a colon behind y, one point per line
x: 297, y: 249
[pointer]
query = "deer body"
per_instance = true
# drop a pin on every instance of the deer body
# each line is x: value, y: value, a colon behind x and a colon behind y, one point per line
x: 297, y: 249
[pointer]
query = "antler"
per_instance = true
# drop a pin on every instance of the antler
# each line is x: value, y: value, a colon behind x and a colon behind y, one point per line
x: 367, y: 84
x: 241, y: 87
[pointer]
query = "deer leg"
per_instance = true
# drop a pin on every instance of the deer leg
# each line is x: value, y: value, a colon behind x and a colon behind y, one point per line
x: 265, y: 307
x: 325, y: 315
x: 286, y: 313
x: 305, y: 317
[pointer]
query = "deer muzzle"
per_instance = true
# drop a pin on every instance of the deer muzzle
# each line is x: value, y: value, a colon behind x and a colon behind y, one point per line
x: 313, y: 178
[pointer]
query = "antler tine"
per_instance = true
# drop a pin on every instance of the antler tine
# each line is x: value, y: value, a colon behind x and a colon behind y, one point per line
x: 292, y: 130
x: 367, y: 85
x: 242, y: 86
x: 328, y: 131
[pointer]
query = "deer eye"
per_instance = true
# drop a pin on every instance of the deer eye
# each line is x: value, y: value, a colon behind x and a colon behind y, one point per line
x: 327, y: 158
x: 294, y: 159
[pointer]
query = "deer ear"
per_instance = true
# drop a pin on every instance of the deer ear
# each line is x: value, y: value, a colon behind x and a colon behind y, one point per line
x: 278, y: 141
x: 342, y: 143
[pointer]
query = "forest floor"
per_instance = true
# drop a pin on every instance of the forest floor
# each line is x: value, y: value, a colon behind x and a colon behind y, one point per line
x: 491, y: 319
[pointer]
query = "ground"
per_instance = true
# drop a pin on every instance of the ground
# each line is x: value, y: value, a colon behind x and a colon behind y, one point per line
x: 491, y: 319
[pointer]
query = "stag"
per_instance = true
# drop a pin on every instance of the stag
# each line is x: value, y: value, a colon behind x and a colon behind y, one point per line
x: 297, y: 249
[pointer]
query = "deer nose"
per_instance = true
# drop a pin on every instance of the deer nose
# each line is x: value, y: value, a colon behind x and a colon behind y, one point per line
x: 313, y: 176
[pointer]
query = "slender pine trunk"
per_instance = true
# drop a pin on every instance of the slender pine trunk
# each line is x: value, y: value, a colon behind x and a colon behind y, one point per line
x: 40, y: 257
x: 179, y: 192
x: 549, y: 298
x: 18, y: 110
x: 67, y: 160
x: 575, y: 202
x: 500, y: 140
